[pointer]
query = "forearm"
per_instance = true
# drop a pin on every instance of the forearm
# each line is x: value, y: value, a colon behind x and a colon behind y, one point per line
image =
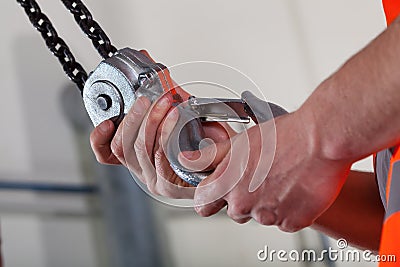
x: 356, y: 111
x: 357, y: 213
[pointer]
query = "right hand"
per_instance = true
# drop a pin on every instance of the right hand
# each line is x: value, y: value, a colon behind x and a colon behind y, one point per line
x: 297, y: 188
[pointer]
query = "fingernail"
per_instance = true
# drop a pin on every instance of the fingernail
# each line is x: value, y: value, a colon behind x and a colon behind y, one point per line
x: 165, y: 102
x: 104, y: 126
x: 138, y: 107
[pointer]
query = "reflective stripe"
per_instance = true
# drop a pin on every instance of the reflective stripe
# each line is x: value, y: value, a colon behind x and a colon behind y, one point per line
x: 382, y: 166
x: 393, y: 201
x: 395, y: 158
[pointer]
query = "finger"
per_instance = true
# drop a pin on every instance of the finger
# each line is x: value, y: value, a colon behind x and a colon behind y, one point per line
x: 165, y: 172
x: 208, y: 198
x: 117, y: 146
x: 218, y: 132
x: 131, y: 126
x: 166, y: 128
x: 207, y: 158
x: 264, y: 152
x: 264, y: 216
x: 168, y: 183
x: 210, y: 209
x: 240, y: 203
x: 100, y: 140
x: 227, y: 174
x: 145, y: 143
x: 242, y: 221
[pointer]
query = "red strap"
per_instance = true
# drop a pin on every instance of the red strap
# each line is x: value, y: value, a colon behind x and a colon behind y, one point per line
x: 392, y: 9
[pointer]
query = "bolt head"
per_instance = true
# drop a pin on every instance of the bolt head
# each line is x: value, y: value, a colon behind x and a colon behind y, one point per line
x: 104, y: 102
x: 145, y: 79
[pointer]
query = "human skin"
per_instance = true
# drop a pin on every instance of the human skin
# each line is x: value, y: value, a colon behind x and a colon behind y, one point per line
x: 139, y: 140
x: 351, y: 115
x: 358, y: 200
x: 357, y: 213
x: 138, y: 144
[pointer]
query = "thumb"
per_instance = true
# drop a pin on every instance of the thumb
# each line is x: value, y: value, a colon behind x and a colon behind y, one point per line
x: 207, y: 158
x: 209, y: 194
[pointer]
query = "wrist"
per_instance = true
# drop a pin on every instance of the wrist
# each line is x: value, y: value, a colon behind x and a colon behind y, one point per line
x: 327, y: 138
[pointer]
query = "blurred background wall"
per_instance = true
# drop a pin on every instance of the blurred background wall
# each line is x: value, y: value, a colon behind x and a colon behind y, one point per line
x: 287, y: 47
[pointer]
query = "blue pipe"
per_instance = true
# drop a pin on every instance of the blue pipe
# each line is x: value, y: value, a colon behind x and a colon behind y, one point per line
x: 48, y: 187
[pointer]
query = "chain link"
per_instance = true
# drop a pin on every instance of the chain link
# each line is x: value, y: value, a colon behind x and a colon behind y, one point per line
x: 57, y: 46
x: 90, y: 27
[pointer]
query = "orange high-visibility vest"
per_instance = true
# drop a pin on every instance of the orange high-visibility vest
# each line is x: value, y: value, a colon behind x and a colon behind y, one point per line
x: 392, y: 10
x: 390, y: 239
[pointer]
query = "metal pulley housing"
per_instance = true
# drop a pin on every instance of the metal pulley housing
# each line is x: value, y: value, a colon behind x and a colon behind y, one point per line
x: 112, y: 88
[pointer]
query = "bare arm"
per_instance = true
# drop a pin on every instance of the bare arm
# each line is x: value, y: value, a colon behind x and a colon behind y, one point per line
x: 352, y: 114
x: 356, y: 111
x: 357, y: 213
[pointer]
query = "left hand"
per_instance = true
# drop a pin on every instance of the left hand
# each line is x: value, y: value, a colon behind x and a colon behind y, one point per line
x: 138, y: 144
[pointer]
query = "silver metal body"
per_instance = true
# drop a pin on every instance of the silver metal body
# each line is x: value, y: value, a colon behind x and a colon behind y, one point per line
x: 119, y: 80
x: 115, y: 84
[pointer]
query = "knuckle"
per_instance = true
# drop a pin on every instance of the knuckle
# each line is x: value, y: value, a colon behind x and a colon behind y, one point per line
x: 100, y: 159
x: 265, y: 217
x: 243, y: 221
x: 166, y: 192
x: 271, y: 203
x: 140, y: 146
x: 292, y: 225
x: 153, y: 189
x: 117, y: 149
x: 238, y: 210
x: 203, y: 211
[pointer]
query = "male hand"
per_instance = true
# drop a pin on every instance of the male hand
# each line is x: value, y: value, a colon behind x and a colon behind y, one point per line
x: 291, y: 193
x: 139, y: 144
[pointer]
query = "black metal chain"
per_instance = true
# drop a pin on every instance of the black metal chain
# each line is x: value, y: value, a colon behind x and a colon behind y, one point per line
x: 90, y: 27
x: 57, y: 46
